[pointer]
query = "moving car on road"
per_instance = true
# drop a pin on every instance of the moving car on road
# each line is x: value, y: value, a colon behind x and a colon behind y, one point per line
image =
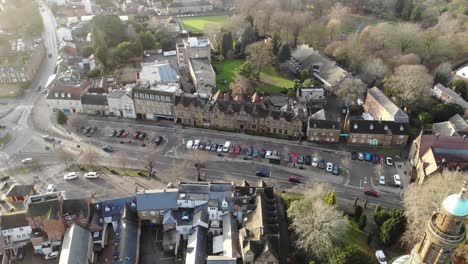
x: 371, y: 192
x: 262, y: 173
x: 70, y: 176
x: 379, y: 254
x: 26, y: 161
x: 48, y: 138
x: 91, y: 175
x: 294, y: 179
x: 389, y: 161
x: 108, y: 149
x: 382, y: 180
x: 396, y: 180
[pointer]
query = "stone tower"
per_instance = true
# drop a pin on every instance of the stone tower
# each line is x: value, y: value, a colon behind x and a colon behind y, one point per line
x: 444, y: 232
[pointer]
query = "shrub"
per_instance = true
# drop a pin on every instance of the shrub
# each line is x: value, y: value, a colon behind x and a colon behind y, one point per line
x: 391, y: 230
x: 349, y: 255
x: 61, y: 117
x: 362, y: 222
x: 357, y: 212
x: 380, y: 215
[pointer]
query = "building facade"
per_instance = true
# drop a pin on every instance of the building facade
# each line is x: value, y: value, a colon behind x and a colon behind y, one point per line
x: 121, y: 103
x: 95, y: 104
x: 325, y: 131
x: 155, y: 101
x: 373, y: 132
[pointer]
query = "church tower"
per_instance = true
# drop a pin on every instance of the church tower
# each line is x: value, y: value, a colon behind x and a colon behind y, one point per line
x: 444, y: 232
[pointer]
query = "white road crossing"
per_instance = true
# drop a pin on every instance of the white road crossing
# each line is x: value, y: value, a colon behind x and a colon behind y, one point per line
x: 24, y: 107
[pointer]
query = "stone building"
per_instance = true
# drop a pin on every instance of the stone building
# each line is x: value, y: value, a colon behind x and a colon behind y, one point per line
x: 155, y: 101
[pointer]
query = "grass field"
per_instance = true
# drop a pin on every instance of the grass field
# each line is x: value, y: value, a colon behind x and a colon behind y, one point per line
x: 5, y: 139
x: 356, y: 237
x: 10, y: 91
x: 197, y: 24
x: 271, y: 80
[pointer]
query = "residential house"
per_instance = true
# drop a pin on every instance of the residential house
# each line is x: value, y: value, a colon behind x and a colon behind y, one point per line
x: 226, y: 247
x: 121, y: 103
x: 15, y: 230
x: 19, y: 192
x: 318, y: 64
x: 455, y: 126
x: 127, y: 75
x: 462, y: 72
x: 449, y: 96
x: 45, y: 219
x: 375, y: 132
x: 128, y: 235
x: 152, y: 204
x: 259, y: 237
x: 155, y: 101
x: 77, y: 246
x: 76, y: 211
x: 314, y: 97
x: 94, y: 104
x: 64, y: 34
x: 196, y: 246
x: 69, y: 48
x: 238, y: 116
x: 382, y: 108
x: 244, y: 200
x: 326, y: 131
x: 188, y: 7
x: 430, y: 154
x: 158, y: 73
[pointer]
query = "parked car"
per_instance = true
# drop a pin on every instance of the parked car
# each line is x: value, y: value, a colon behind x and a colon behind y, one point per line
x: 196, y: 143
x: 220, y: 148
x: 262, y: 173
x: 119, y: 134
x: 368, y: 156
x: 189, y: 144
x: 87, y: 130
x: 382, y: 159
x: 389, y: 161
x: 125, y: 134
x: 214, y: 147
x: 136, y: 135
x: 263, y: 153
x: 321, y: 164
x: 50, y: 188
x: 48, y: 138
x: 382, y: 180
x: 375, y: 158
x: 238, y: 150
x: 113, y: 133
x: 300, y: 160
x: 396, y: 180
x: 379, y: 254
x: 315, y: 162
x: 91, y: 175
x: 255, y: 153
x: 336, y: 170
x: 226, y: 146
x: 354, y: 155
x: 158, y: 140
x: 360, y: 156
x: 201, y: 146
x: 108, y: 149
x: 27, y: 160
x: 371, y: 192
x: 142, y: 136
x: 249, y: 151
x: 70, y: 176
x: 294, y: 179
x: 308, y: 160
x: 231, y: 149
x: 329, y: 167
x: 53, y: 254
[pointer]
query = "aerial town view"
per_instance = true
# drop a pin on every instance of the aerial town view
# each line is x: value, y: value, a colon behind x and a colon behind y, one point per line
x: 234, y: 131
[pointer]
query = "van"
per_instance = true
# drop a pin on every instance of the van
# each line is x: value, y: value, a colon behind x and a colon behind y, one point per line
x: 226, y: 146
x: 26, y: 161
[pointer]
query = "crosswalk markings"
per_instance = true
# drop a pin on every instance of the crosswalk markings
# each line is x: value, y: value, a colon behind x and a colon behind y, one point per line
x: 24, y: 107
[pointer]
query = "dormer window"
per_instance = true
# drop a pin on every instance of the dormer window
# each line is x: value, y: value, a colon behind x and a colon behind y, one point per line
x: 371, y: 126
x: 355, y: 126
x: 69, y: 95
x: 315, y: 125
x: 402, y: 128
x: 63, y: 94
x: 56, y: 94
x: 385, y: 128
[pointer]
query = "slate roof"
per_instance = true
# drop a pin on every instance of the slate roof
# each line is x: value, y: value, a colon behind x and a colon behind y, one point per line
x: 47, y: 206
x: 157, y: 199
x: 460, y: 124
x: 323, y: 124
x: 75, y: 91
x: 19, y: 190
x: 196, y: 247
x: 94, y: 99
x: 127, y: 238
x: 13, y: 220
x: 387, y: 104
x: 75, y: 245
x: 377, y: 127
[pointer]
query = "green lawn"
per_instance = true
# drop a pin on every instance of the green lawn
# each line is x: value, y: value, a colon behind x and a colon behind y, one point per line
x: 356, y: 237
x: 271, y: 80
x: 5, y: 139
x: 197, y: 24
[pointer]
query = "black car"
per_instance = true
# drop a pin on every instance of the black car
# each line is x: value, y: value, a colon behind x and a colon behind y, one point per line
x: 308, y: 160
x: 249, y: 151
x: 201, y: 146
x: 113, y: 133
x: 262, y: 173
x: 321, y: 164
x: 354, y: 156
x: 108, y: 149
x: 142, y: 136
x: 375, y: 158
x: 119, y: 134
x: 158, y: 140
x: 87, y: 130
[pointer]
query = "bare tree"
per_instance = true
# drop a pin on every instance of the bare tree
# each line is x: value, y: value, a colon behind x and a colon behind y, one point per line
x: 74, y: 121
x: 334, y: 28
x: 199, y: 160
x: 340, y: 12
x: 350, y: 90
x: 90, y: 157
x: 408, y: 84
x: 295, y: 24
x: 65, y: 156
x: 122, y: 159
x: 422, y: 201
x: 241, y: 86
x: 375, y: 69
x: 260, y: 55
x: 408, y: 59
x: 210, y: 30
x: 319, y: 226
x: 149, y: 160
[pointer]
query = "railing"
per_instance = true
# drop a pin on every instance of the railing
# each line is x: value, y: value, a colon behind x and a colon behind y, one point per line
x: 450, y: 238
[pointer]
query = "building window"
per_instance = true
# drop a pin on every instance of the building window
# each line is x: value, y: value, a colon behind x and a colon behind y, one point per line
x: 354, y: 140
x: 143, y: 213
x: 363, y: 140
x: 153, y: 213
x: 255, y: 127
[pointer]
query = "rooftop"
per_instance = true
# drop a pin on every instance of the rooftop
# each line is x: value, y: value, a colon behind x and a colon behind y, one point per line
x: 196, y: 42
x: 157, y: 199
x: 75, y: 245
x: 13, y: 220
x: 386, y: 103
x: 457, y: 204
x: 158, y: 72
x: 377, y: 127
x: 19, y: 190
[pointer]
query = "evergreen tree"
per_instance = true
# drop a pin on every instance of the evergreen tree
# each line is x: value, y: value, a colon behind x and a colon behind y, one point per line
x: 276, y: 43
x: 407, y: 9
x: 61, y: 117
x: 330, y: 198
x: 399, y: 4
x: 416, y: 15
x: 248, y: 36
x: 284, y: 53
x: 226, y: 43
x: 304, y: 75
x: 247, y: 70
x: 460, y: 87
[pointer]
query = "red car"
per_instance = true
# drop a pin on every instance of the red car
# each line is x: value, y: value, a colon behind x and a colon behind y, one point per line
x: 237, y: 150
x: 125, y: 134
x: 136, y: 135
x: 382, y: 159
x: 294, y: 179
x: 371, y: 192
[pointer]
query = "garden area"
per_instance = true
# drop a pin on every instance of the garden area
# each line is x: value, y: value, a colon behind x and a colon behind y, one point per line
x: 197, y: 24
x: 271, y: 80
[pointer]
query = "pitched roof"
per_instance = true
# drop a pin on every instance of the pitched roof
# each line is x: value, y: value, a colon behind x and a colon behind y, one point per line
x: 117, y: 93
x: 459, y: 123
x: 126, y: 250
x: 67, y: 92
x: 387, y: 104
x: 377, y: 127
x: 94, y: 99
x: 455, y: 145
x: 13, y: 220
x: 196, y: 246
x: 19, y: 190
x: 324, y: 124
x: 75, y: 245
x: 157, y: 199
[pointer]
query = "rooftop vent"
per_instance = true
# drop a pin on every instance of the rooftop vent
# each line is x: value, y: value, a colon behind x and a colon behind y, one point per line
x: 385, y: 128
x: 355, y: 126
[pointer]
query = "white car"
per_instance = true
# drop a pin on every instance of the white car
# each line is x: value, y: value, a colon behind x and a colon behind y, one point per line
x: 396, y: 180
x: 382, y: 180
x: 315, y: 161
x: 196, y: 143
x: 329, y: 167
x: 220, y: 148
x: 26, y: 160
x: 52, y: 255
x: 50, y: 188
x: 189, y: 144
x: 381, y: 257
x: 389, y: 161
x: 70, y: 176
x: 91, y: 175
